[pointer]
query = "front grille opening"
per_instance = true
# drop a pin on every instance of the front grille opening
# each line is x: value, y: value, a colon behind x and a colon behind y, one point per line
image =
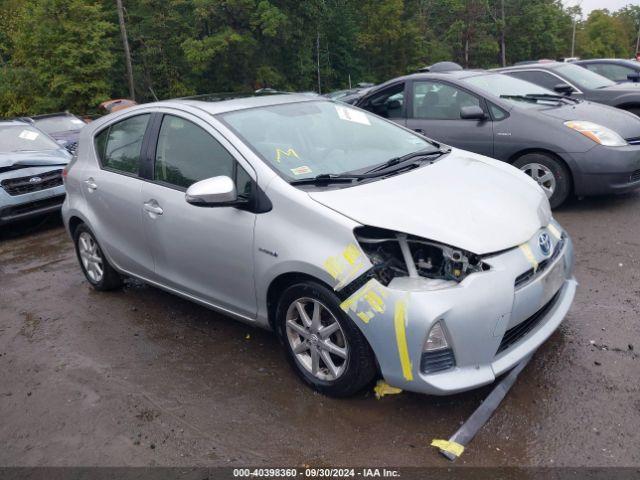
x: 515, y: 334
x: 22, y: 185
x: 437, y: 361
x: 633, y: 140
x: 527, y: 276
x: 635, y: 176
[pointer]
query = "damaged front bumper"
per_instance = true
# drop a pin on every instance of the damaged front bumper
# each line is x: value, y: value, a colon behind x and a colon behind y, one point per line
x: 492, y: 319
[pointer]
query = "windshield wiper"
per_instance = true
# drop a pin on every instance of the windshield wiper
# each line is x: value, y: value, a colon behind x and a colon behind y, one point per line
x: 409, y: 156
x: 534, y: 97
x: 326, y: 178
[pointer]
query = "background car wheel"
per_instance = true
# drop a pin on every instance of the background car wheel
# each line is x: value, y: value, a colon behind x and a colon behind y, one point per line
x: 551, y: 174
x: 323, y: 345
x: 94, y: 264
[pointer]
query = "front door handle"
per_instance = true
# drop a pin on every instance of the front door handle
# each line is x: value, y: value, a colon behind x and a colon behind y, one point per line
x: 91, y: 184
x: 419, y: 130
x: 153, y: 208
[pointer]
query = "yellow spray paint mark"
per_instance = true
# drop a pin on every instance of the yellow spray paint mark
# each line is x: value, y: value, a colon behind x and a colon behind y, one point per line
x: 346, y: 266
x: 373, y: 294
x: 288, y: 153
x: 399, y: 321
x: 554, y: 231
x: 382, y: 388
x: 448, y: 446
x: 526, y: 250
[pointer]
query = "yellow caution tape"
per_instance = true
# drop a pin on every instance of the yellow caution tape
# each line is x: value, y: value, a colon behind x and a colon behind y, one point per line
x: 399, y: 320
x: 382, y: 388
x: 526, y: 249
x: 448, y: 446
x: 554, y: 231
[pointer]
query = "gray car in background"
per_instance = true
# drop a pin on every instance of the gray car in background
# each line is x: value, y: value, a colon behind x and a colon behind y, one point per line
x: 578, y: 82
x: 565, y: 144
x: 64, y: 127
x: 31, y: 169
x: 366, y: 247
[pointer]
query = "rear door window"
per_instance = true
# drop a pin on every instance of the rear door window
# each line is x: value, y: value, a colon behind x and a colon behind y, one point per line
x: 119, y: 145
x: 388, y: 103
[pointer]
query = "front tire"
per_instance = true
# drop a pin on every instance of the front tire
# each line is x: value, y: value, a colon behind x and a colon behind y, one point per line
x: 95, y: 266
x: 550, y: 173
x: 325, y: 348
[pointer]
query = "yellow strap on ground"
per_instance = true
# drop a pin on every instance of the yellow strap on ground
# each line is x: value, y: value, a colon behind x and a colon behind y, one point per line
x: 399, y: 320
x: 382, y: 388
x: 452, y: 447
x: 526, y: 250
x: 554, y: 231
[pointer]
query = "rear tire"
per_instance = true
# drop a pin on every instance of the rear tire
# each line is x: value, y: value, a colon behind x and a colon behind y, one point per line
x: 550, y: 173
x: 353, y: 364
x: 95, y: 266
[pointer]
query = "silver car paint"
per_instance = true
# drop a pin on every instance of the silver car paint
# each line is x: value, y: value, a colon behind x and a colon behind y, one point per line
x: 311, y: 233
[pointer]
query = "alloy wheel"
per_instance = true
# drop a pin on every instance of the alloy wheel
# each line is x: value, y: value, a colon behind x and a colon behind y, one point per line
x: 316, y: 339
x: 542, y: 175
x: 91, y: 257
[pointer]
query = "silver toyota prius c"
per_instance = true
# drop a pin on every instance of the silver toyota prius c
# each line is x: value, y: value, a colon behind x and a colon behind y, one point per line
x: 370, y: 250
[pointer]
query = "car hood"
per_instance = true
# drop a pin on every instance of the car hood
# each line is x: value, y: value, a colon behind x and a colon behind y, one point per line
x: 464, y: 200
x: 625, y: 87
x: 26, y: 159
x: 624, y: 123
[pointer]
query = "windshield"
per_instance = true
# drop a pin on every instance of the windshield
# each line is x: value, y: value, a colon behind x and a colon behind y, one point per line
x: 18, y: 138
x: 582, y: 77
x: 62, y: 123
x: 306, y: 139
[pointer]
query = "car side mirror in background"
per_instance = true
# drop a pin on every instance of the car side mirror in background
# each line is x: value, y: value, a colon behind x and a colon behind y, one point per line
x: 213, y: 192
x: 472, y: 112
x: 634, y: 77
x: 564, y: 89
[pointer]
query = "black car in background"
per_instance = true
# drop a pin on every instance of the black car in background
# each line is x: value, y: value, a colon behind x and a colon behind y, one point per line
x: 565, y: 144
x: 578, y: 82
x: 350, y: 95
x: 615, y: 69
x: 64, y: 127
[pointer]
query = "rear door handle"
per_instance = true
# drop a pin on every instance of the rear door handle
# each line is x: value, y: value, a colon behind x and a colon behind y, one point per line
x: 419, y: 130
x: 153, y: 208
x: 91, y: 184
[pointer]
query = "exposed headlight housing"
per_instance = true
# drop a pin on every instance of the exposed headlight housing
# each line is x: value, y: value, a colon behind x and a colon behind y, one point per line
x: 597, y: 133
x: 395, y: 254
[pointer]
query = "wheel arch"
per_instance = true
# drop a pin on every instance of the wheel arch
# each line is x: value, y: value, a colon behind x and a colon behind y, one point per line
x: 543, y: 151
x: 279, y: 284
x: 74, y: 223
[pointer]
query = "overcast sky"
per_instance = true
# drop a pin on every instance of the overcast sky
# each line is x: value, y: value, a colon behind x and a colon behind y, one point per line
x: 588, y: 5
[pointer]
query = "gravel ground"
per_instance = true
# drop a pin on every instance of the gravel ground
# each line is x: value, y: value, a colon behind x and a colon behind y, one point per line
x: 140, y: 377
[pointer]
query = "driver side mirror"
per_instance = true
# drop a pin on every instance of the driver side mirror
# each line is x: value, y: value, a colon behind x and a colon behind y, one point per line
x: 634, y: 77
x: 472, y: 112
x: 564, y: 89
x: 213, y: 192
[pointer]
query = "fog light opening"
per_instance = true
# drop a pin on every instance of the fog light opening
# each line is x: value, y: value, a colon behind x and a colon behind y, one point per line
x: 436, y: 340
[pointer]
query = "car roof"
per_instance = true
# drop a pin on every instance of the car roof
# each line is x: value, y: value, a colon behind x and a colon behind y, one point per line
x: 623, y: 61
x: 15, y: 123
x: 216, y: 103
x: 51, y: 115
x: 537, y: 65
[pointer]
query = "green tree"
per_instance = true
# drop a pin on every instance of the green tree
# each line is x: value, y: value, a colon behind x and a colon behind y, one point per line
x: 59, y: 59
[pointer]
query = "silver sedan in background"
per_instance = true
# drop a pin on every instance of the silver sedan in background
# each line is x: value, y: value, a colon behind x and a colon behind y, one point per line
x: 367, y: 248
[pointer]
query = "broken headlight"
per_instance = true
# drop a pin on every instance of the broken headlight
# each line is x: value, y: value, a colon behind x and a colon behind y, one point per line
x: 395, y: 254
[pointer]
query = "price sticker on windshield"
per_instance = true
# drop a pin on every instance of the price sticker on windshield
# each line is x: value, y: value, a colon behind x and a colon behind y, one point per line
x: 29, y: 135
x: 301, y: 170
x: 352, y: 115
